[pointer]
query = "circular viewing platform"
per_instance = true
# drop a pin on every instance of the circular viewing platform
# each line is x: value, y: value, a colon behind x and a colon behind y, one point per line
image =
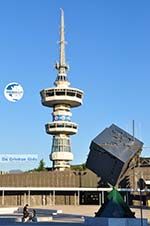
x: 57, y: 127
x: 54, y: 96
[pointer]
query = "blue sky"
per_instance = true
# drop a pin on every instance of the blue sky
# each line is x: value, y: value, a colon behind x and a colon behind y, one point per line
x: 108, y: 52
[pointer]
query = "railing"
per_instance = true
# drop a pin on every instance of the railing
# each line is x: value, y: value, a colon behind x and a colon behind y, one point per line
x: 61, y: 125
x: 63, y: 92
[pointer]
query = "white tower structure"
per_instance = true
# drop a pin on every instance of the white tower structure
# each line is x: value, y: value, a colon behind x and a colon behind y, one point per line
x: 61, y: 98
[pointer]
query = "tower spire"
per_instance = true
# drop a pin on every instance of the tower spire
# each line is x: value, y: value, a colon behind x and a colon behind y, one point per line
x: 62, y: 67
x: 62, y: 40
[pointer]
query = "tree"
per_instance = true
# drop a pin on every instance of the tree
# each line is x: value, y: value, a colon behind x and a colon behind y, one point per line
x: 41, y: 166
x: 80, y: 167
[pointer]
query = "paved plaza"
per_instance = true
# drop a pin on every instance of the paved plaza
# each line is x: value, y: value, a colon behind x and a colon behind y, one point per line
x: 68, y: 215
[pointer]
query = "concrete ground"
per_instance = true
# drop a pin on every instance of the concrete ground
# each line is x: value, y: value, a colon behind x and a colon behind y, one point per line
x: 89, y: 210
x: 73, y: 215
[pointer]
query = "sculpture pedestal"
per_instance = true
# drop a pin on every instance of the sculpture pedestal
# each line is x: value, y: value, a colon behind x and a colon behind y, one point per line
x: 103, y: 221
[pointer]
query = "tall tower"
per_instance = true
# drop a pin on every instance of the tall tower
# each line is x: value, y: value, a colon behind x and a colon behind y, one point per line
x: 61, y: 98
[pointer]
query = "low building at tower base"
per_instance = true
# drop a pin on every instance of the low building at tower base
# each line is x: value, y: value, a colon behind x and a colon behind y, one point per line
x: 70, y: 187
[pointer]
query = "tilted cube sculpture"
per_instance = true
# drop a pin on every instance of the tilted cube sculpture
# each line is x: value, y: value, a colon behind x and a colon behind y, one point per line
x: 111, y: 152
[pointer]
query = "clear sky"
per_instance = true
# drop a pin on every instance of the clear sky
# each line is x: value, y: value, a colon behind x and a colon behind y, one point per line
x: 109, y: 55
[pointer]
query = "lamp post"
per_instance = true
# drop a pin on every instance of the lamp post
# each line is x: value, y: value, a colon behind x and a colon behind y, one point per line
x: 141, y: 184
x: 80, y: 174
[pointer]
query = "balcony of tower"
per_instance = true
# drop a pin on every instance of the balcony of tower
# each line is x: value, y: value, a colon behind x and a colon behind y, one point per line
x: 61, y: 95
x: 61, y: 127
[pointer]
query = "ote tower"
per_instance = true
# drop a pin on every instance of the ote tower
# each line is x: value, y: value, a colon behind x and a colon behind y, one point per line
x: 61, y: 98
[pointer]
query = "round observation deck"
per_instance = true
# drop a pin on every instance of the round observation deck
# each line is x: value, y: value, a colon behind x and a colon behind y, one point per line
x: 53, y: 96
x: 58, y: 127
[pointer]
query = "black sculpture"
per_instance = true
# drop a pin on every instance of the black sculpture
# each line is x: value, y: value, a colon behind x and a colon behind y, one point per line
x: 110, y: 154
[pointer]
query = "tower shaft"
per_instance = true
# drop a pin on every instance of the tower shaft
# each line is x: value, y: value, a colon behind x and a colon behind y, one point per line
x: 61, y: 98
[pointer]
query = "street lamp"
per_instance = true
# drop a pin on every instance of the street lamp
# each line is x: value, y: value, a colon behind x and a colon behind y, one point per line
x: 141, y: 185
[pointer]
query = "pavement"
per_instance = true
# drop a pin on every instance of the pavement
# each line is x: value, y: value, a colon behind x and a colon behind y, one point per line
x: 68, y: 215
x: 89, y: 210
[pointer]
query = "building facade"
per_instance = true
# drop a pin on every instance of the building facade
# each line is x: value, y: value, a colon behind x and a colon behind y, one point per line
x: 68, y: 188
